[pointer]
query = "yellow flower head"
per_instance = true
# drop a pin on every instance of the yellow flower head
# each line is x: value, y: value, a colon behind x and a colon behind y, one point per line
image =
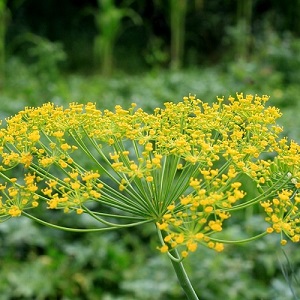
x: 182, y: 167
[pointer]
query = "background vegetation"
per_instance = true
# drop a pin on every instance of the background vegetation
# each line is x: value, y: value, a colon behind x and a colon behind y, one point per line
x: 149, y: 52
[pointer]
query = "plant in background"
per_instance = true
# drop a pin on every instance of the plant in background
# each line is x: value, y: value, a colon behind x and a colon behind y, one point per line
x: 181, y: 168
x: 108, y: 20
x: 178, y: 11
x: 45, y: 55
x: 240, y: 35
x: 3, y: 27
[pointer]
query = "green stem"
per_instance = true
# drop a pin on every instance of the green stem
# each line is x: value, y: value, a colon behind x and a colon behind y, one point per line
x: 240, y: 241
x: 181, y: 274
x: 66, y: 228
x: 183, y: 277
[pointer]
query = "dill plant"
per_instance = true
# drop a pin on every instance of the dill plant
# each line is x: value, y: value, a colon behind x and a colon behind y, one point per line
x: 180, y: 168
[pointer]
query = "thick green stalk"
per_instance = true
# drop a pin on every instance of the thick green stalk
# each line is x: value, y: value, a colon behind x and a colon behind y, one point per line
x: 183, y: 277
x: 178, y: 14
x: 244, y: 14
x: 3, y: 15
x: 179, y: 269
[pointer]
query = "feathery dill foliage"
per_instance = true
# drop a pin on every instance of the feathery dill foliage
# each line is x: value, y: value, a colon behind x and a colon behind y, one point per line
x: 179, y: 167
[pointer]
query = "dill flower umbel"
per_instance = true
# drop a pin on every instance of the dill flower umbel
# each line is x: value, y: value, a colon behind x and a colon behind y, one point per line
x: 180, y: 167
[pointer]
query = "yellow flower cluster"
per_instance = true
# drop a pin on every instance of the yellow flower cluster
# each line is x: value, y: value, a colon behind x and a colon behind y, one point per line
x: 179, y: 167
x: 201, y: 212
x: 15, y: 198
x: 74, y: 192
x: 282, y: 208
x: 283, y: 214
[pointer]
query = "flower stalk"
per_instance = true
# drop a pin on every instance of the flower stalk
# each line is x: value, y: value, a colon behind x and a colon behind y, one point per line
x: 183, y: 277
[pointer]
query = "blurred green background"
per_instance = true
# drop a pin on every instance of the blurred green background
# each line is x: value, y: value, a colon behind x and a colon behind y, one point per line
x: 149, y: 52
